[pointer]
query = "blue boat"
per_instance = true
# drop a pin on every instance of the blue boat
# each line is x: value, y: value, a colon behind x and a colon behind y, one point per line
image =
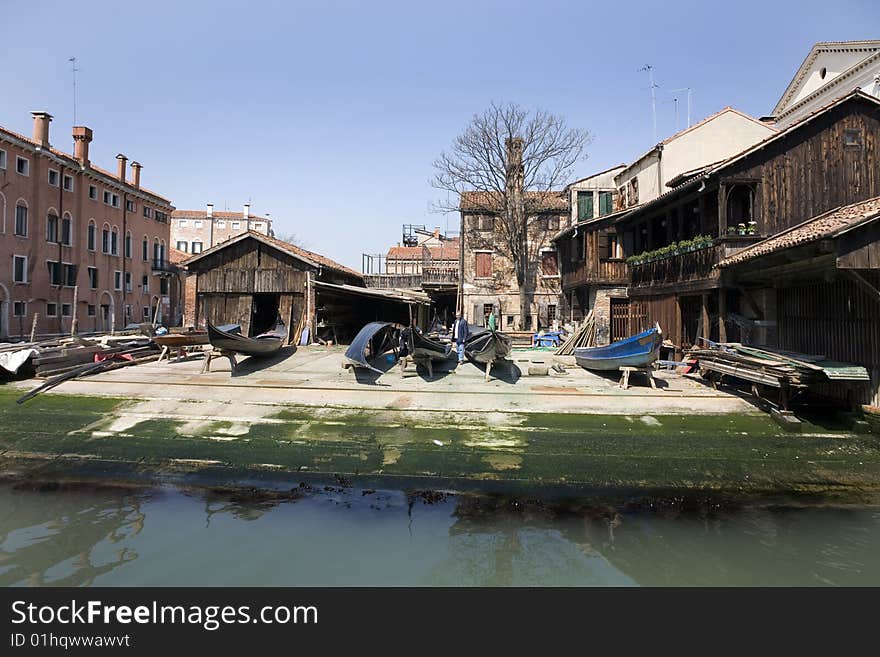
x: 635, y: 351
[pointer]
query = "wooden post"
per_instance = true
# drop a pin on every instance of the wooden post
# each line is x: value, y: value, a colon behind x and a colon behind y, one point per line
x: 722, y: 315
x: 74, y: 321
x: 677, y: 332
x: 704, y: 314
x: 34, y: 326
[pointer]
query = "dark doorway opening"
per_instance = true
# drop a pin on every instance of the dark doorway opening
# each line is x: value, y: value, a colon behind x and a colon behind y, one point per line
x: 264, y: 313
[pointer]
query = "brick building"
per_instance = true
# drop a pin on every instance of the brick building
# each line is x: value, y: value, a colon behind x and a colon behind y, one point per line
x: 77, y: 243
x: 193, y: 231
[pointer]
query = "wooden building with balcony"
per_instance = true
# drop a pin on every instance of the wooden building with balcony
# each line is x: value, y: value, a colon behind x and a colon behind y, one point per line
x: 675, y: 243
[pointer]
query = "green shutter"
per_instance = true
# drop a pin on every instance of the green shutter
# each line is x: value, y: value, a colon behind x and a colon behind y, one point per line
x: 605, y: 203
x: 585, y: 205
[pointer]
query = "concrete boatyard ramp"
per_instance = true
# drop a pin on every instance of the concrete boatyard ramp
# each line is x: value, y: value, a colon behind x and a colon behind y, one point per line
x: 302, y: 417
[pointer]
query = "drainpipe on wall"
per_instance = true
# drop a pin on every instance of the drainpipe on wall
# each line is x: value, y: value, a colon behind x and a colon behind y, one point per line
x: 58, y: 236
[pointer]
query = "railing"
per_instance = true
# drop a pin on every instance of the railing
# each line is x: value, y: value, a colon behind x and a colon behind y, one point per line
x: 163, y: 266
x: 607, y: 270
x: 690, y: 266
x: 440, y: 275
x: 612, y: 271
x: 404, y: 281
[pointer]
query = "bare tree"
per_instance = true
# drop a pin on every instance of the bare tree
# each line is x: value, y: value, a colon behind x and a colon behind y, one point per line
x: 509, y: 162
x: 291, y: 238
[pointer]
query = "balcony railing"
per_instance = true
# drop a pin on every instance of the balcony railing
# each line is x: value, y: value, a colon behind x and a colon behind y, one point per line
x: 440, y: 276
x: 606, y: 270
x: 163, y: 266
x: 402, y: 281
x: 690, y: 266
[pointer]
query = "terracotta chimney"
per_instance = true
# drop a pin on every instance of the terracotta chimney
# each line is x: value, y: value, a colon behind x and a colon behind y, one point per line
x: 82, y: 137
x: 136, y: 174
x: 120, y: 166
x: 247, y: 211
x: 41, y: 128
x: 210, y: 210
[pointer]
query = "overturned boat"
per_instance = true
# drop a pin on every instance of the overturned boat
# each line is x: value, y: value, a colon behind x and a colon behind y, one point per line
x: 372, y: 340
x: 420, y: 347
x: 635, y: 351
x: 487, y: 348
x: 265, y: 344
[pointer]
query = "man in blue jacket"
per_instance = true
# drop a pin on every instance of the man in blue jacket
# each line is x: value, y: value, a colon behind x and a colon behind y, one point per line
x: 460, y: 333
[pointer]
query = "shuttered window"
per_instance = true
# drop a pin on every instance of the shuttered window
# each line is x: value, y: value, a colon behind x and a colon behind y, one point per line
x: 549, y: 266
x: 606, y: 203
x: 484, y: 265
x: 585, y: 205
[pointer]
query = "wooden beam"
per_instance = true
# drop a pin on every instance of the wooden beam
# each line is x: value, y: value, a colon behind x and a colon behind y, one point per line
x: 864, y: 283
x: 722, y: 314
x: 704, y: 315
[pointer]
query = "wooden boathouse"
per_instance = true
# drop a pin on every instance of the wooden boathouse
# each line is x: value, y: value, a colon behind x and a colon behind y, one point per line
x: 253, y: 280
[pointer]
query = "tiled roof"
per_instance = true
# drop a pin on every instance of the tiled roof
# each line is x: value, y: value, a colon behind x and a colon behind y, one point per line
x: 825, y: 225
x: 176, y: 257
x: 74, y: 164
x: 310, y: 257
x: 448, y: 251
x: 491, y: 202
x: 203, y: 214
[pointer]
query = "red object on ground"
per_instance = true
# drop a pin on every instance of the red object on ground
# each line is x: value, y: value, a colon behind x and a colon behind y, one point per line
x: 100, y: 358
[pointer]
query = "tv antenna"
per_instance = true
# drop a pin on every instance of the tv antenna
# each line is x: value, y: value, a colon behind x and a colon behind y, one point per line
x: 675, y: 100
x: 650, y: 70
x: 73, y: 69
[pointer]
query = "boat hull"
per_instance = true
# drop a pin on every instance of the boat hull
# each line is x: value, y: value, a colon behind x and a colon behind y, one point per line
x: 635, y: 351
x: 487, y: 346
x: 421, y: 347
x: 369, y: 340
x: 259, y: 346
x: 175, y: 340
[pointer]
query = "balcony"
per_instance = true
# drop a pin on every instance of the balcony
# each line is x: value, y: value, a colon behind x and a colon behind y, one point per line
x: 679, y: 268
x: 433, y: 277
x: 440, y: 277
x: 163, y: 266
x: 607, y: 271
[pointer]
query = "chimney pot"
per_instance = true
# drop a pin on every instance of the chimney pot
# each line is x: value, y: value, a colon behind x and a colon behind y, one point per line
x: 209, y: 210
x: 82, y: 137
x: 120, y: 167
x: 41, y: 128
x: 136, y: 174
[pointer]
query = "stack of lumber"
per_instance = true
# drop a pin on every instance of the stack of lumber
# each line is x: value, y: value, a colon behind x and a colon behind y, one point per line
x: 59, y: 355
x: 771, y: 367
x: 584, y: 336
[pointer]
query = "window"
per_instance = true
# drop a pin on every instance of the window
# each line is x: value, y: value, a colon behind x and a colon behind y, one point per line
x: 128, y: 245
x: 53, y: 177
x: 183, y: 246
x: 183, y: 223
x: 163, y: 285
x: 197, y: 247
x: 90, y: 310
x: 55, y: 275
x: 129, y: 206
x: 221, y: 224
x: 236, y: 225
x: 148, y: 212
x: 488, y: 309
x: 65, y: 231
x: 51, y: 309
x: 21, y: 220
x: 161, y: 216
x: 93, y: 230
x: 145, y: 283
x: 19, y: 269
x: 584, y: 205
x: 51, y: 228
x: 258, y: 226
x: 197, y: 224
x: 115, y: 201
x: 146, y: 311
x: 549, y: 267
x: 548, y: 222
x: 606, y: 203
x: 484, y: 222
x: 93, y: 192
x: 852, y: 139
x: 105, y: 240
x: 145, y: 246
x: 577, y: 248
x: 128, y: 281
x: 93, y: 278
x: 107, y: 197
x: 551, y: 312
x: 484, y: 264
x: 22, y: 166
x: 117, y: 280
x: 65, y: 310
x: 128, y: 313
x: 67, y: 183
x: 69, y: 272
x: 2, y: 159
x: 114, y: 242
x: 19, y: 308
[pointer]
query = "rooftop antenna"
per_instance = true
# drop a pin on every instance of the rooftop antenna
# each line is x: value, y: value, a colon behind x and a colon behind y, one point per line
x: 690, y: 91
x: 650, y: 70
x: 73, y: 69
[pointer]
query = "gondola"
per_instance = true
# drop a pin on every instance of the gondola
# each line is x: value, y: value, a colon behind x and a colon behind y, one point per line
x: 265, y: 344
x: 372, y: 340
x: 421, y: 347
x: 635, y: 351
x: 487, y: 347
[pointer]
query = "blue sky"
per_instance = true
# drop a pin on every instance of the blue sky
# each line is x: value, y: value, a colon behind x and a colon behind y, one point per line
x: 328, y: 115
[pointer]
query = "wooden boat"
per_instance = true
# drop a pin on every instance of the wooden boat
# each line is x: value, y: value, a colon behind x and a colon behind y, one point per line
x: 265, y: 344
x: 372, y: 340
x: 487, y: 346
x: 635, y: 351
x: 422, y: 347
x: 176, y: 340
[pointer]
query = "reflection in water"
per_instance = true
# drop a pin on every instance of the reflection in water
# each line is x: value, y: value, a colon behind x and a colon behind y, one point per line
x: 344, y: 536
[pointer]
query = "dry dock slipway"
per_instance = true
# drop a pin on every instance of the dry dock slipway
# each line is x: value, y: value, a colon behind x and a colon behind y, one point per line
x: 300, y: 417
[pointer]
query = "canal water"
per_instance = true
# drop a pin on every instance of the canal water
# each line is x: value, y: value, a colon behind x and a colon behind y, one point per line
x: 346, y: 536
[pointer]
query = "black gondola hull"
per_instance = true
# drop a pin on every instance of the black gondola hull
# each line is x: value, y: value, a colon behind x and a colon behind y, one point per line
x: 487, y: 346
x: 259, y: 346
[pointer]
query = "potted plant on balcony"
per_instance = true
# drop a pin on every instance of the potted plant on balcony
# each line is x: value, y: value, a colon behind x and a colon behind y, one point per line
x: 741, y: 229
x: 752, y: 228
x: 731, y: 230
